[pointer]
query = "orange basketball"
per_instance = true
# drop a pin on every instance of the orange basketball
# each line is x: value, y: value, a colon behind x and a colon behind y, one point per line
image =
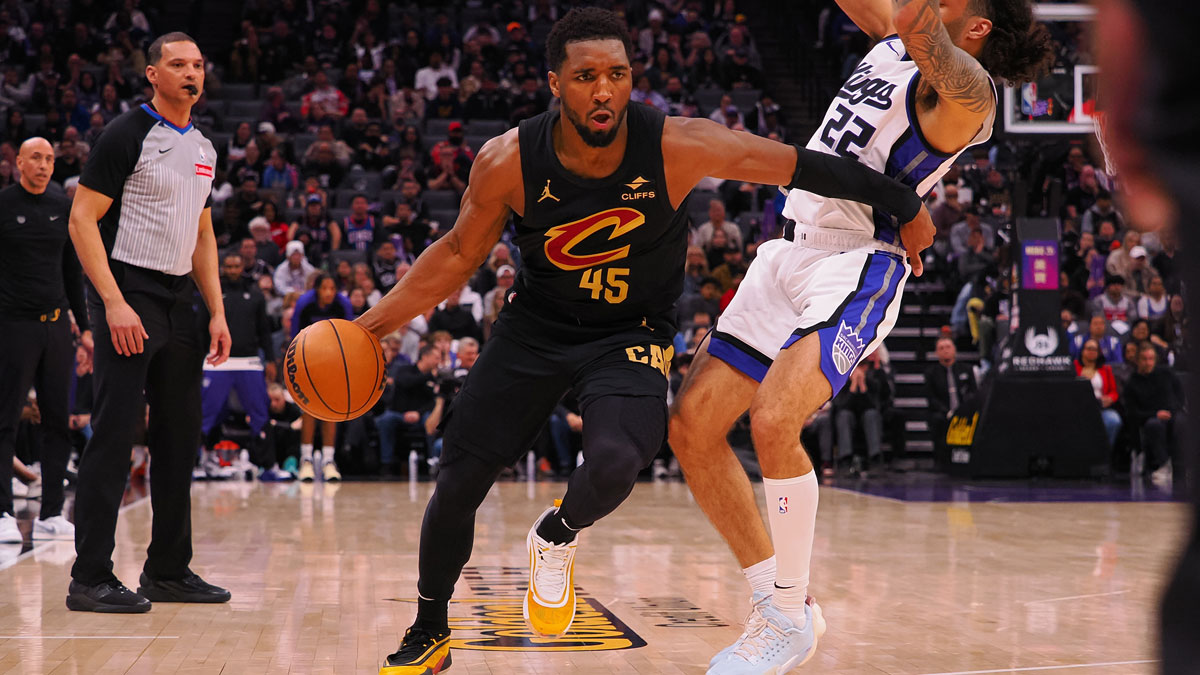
x: 335, y: 370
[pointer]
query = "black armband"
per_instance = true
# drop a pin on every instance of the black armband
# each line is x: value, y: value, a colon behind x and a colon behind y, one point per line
x: 843, y: 178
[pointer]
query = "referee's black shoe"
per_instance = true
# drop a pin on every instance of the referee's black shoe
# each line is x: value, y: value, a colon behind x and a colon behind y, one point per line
x: 188, y: 589
x: 109, y: 597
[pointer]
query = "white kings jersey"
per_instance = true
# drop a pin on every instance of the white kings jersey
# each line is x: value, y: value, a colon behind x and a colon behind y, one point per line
x: 874, y: 118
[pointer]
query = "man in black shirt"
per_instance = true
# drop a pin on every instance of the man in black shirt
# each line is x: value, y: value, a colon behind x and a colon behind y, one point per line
x: 246, y: 313
x: 284, y: 434
x: 414, y: 390
x: 454, y: 318
x: 948, y: 383
x: 489, y: 103
x: 1153, y: 403
x: 40, y: 275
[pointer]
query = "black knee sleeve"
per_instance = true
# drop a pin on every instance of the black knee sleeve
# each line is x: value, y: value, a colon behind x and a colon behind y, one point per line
x: 621, y: 436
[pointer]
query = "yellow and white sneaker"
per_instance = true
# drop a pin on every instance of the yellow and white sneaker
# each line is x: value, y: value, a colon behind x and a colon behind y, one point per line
x: 423, y: 652
x: 329, y: 471
x: 550, y: 601
x: 306, y: 473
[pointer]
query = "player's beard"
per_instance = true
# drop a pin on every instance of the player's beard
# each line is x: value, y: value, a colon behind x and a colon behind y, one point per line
x: 596, y: 139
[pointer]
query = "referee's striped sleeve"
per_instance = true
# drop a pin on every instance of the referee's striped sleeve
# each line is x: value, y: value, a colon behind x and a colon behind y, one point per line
x: 113, y: 158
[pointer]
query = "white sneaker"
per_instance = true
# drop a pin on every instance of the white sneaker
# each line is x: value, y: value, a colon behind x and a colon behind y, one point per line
x: 772, y: 643
x: 660, y: 470
x: 765, y: 598
x: 9, y: 533
x: 214, y: 471
x: 1163, y: 475
x: 329, y: 472
x: 244, y: 468
x: 57, y: 527
x: 306, y: 472
x: 549, y: 605
x: 22, y: 491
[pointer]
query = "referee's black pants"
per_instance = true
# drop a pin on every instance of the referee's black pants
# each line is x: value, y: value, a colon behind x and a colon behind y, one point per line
x: 169, y: 372
x: 38, y: 352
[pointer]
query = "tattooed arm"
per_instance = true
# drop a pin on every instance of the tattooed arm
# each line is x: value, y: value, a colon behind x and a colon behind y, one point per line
x: 956, y: 75
x: 873, y: 17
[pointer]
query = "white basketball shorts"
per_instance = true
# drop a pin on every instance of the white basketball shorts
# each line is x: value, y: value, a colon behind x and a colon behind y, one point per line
x: 844, y: 287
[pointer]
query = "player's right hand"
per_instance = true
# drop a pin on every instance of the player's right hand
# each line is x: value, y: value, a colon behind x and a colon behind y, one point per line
x: 917, y: 235
x: 125, y: 328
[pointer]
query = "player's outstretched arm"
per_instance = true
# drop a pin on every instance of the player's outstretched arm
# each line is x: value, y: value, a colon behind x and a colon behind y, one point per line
x: 873, y: 17
x: 446, y: 265
x: 696, y: 148
x: 957, y: 76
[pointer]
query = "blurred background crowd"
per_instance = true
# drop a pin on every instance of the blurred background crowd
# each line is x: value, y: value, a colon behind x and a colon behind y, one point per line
x: 346, y: 131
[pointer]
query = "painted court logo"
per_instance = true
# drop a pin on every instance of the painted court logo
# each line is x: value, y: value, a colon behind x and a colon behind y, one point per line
x: 783, y: 505
x: 491, y: 618
x: 847, y: 347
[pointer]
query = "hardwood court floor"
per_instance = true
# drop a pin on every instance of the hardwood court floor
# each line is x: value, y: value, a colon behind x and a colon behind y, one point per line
x: 323, y: 578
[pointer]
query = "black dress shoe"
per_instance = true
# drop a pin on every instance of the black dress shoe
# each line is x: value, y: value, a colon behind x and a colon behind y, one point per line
x: 188, y: 589
x: 110, y: 597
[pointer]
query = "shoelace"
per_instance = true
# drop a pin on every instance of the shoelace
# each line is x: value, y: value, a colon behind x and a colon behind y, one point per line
x: 416, y: 642
x: 551, y: 575
x: 759, y: 631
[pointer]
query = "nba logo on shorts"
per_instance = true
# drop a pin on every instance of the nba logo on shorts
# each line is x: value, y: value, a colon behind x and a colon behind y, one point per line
x: 846, y: 348
x: 783, y: 504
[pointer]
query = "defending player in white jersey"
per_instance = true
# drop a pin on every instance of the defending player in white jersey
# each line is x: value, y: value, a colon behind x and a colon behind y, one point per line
x: 816, y: 302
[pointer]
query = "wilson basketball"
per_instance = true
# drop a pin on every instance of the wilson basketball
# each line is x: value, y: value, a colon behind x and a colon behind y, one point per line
x: 335, y: 370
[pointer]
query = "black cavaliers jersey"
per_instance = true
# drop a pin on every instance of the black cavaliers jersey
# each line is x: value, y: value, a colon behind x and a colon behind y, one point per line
x: 605, y: 252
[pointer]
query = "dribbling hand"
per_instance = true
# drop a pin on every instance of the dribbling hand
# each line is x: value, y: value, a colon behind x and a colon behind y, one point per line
x: 125, y: 327
x: 917, y: 235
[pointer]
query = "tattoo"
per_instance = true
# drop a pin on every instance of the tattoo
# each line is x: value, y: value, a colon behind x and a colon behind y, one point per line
x: 953, y: 73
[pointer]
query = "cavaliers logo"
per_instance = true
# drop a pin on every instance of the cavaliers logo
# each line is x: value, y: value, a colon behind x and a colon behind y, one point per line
x: 493, y: 620
x: 563, y: 239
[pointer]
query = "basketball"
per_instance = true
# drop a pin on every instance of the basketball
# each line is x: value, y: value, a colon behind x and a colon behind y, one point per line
x: 335, y: 370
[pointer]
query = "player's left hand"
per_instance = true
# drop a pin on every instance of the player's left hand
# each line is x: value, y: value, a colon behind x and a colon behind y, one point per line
x: 218, y: 348
x: 917, y: 235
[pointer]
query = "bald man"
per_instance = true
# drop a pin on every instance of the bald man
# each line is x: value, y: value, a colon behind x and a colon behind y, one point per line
x: 41, y: 277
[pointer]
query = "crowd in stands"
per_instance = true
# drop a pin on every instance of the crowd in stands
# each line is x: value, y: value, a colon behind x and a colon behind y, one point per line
x: 1121, y: 294
x: 346, y: 139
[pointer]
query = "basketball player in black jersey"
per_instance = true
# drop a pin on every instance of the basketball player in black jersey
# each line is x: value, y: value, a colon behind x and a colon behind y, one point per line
x: 596, y: 195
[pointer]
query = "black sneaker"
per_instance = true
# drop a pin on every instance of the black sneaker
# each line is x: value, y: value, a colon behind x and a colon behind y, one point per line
x: 422, y: 652
x: 110, y: 597
x: 188, y: 589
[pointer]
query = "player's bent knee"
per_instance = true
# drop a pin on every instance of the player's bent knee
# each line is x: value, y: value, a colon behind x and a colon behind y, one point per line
x: 620, y: 468
x: 771, y: 427
x: 681, y: 433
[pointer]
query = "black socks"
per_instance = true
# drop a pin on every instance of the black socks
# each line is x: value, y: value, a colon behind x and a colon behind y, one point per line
x: 553, y: 529
x: 431, y: 615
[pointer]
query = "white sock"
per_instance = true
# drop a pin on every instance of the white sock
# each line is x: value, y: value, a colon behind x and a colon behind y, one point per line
x: 327, y: 455
x: 792, y: 513
x: 306, y: 452
x: 761, y: 576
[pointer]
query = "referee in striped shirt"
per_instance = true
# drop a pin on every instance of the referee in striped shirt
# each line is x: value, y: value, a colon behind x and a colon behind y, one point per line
x: 141, y: 224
